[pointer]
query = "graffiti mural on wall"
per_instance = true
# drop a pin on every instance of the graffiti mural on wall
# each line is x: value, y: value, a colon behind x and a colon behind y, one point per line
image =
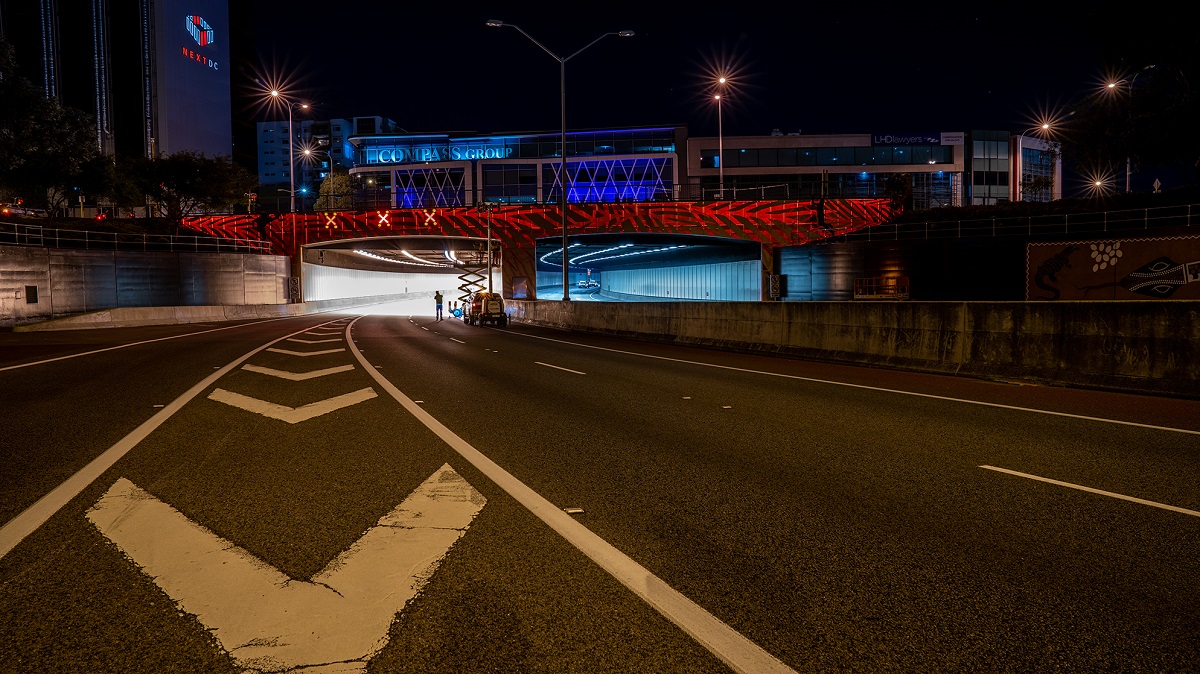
x: 1125, y: 269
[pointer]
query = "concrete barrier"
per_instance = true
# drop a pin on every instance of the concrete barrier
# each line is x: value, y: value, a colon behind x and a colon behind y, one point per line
x: 1139, y: 346
x: 127, y: 317
x: 1132, y: 346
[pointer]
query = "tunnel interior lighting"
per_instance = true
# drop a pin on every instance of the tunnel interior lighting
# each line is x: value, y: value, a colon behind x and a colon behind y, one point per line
x: 414, y: 259
x: 636, y: 252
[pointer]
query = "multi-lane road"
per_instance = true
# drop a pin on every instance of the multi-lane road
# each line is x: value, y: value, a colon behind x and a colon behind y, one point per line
x: 391, y: 493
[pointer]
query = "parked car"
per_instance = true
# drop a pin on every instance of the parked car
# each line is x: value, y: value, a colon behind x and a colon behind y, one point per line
x: 485, y: 308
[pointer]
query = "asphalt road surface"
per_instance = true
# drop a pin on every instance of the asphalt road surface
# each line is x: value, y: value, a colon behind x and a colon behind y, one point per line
x: 391, y: 493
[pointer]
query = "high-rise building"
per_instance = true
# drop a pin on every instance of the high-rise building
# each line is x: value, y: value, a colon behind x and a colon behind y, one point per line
x: 154, y: 74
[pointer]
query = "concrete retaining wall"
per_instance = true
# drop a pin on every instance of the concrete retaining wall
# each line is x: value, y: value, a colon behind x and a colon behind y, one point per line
x: 37, y: 284
x: 1150, y: 346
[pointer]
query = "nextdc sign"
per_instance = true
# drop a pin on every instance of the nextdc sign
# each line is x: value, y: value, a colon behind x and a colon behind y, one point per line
x: 408, y: 155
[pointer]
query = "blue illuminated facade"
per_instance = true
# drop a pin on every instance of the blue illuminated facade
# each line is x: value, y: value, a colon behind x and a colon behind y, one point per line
x: 392, y: 169
x: 445, y: 170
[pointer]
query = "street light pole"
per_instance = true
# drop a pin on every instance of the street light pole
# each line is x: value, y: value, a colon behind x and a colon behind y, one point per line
x: 276, y: 94
x: 562, y: 84
x: 489, y: 248
x: 291, y: 160
x: 720, y: 142
x: 720, y: 152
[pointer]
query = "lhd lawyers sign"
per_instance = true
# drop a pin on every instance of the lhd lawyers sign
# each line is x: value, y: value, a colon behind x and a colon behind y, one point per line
x: 943, y: 138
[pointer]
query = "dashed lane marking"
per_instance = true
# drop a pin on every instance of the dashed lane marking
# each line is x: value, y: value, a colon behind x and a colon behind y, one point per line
x: 538, y: 362
x: 733, y: 648
x: 1092, y: 490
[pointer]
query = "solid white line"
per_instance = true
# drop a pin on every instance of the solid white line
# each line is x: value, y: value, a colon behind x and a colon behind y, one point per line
x: 869, y: 388
x: 297, y: 376
x: 36, y: 515
x: 1123, y: 497
x: 148, y: 341
x: 457, y: 340
x: 538, y: 362
x: 734, y: 649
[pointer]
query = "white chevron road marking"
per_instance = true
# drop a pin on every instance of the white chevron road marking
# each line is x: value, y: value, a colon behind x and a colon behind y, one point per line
x: 292, y: 415
x: 315, y: 341
x: 306, y: 353
x: 297, y: 376
x: 270, y: 622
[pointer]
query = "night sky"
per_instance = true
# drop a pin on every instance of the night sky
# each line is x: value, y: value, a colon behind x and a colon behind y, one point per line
x: 830, y: 67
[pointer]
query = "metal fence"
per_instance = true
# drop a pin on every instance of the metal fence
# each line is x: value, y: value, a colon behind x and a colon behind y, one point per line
x: 1099, y: 222
x: 35, y: 235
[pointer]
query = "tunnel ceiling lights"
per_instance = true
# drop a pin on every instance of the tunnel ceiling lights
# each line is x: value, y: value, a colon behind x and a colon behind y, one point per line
x: 601, y: 252
x: 556, y: 252
x: 415, y: 260
x: 636, y: 252
x: 422, y: 260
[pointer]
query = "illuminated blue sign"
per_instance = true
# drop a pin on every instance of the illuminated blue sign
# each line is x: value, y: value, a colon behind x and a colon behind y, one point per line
x: 428, y: 153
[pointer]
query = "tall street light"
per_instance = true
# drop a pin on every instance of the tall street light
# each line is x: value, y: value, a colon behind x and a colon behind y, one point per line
x: 720, y: 141
x: 562, y: 83
x: 1126, y: 86
x: 278, y: 95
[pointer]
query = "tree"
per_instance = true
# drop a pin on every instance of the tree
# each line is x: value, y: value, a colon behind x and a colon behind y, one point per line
x: 186, y: 183
x: 336, y: 192
x: 44, y: 147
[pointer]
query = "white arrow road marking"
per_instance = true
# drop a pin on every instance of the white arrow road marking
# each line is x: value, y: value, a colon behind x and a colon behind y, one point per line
x: 270, y: 622
x: 36, y: 515
x: 305, y: 353
x: 315, y: 341
x: 297, y: 376
x: 292, y: 415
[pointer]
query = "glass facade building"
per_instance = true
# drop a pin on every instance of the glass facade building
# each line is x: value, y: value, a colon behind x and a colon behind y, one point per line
x: 391, y: 169
x: 444, y: 170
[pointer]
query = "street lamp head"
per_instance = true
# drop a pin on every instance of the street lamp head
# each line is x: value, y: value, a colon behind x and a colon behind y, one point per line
x: 626, y: 33
x: 274, y: 93
x: 494, y: 23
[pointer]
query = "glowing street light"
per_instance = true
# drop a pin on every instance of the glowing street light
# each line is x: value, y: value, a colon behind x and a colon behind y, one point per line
x: 279, y: 96
x: 562, y: 83
x: 720, y: 140
x: 1121, y: 85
